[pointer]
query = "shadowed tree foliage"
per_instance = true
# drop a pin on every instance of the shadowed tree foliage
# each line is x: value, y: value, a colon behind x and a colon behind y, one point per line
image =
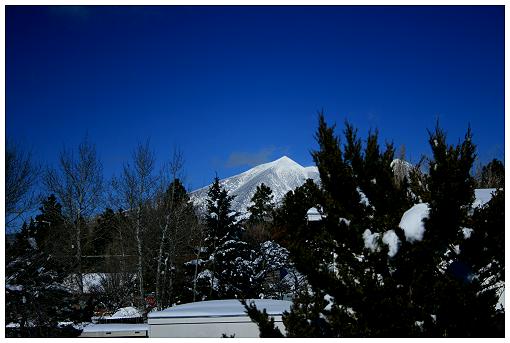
x: 263, y: 207
x: 266, y: 324
x: 221, y: 218
x: 36, y: 299
x: 445, y: 285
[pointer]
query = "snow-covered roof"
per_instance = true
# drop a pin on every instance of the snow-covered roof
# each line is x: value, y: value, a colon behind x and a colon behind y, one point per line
x: 221, y: 308
x: 313, y: 215
x: 115, y: 327
x: 125, y: 312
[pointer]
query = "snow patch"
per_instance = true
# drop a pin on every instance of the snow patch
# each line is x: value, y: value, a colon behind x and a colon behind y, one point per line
x: 330, y: 301
x: 483, y: 196
x: 344, y: 220
x: 195, y: 262
x: 126, y: 312
x: 467, y: 232
x: 501, y: 299
x: 14, y: 287
x: 412, y: 222
x: 32, y: 242
x: 364, y: 199
x: 313, y: 215
x: 390, y: 238
x: 370, y: 240
x: 282, y: 176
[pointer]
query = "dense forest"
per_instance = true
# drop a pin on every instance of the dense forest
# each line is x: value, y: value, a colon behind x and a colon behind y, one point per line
x: 354, y: 273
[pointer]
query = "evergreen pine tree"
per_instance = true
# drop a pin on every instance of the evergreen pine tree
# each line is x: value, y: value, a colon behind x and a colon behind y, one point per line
x: 263, y: 207
x: 220, y: 219
x: 35, y: 296
x: 443, y: 272
x: 365, y: 277
x: 104, y: 232
x: 229, y: 257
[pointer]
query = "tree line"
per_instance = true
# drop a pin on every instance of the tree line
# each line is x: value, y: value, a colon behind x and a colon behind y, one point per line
x: 141, y: 236
x: 141, y: 240
x: 365, y: 276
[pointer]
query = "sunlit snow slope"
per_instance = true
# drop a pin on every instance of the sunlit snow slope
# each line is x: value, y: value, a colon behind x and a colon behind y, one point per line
x: 281, y: 176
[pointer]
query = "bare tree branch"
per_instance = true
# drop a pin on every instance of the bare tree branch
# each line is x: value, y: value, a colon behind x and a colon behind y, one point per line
x: 21, y: 175
x: 78, y: 184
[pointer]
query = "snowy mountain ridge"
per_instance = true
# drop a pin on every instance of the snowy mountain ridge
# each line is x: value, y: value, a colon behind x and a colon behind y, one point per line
x: 284, y: 175
x: 281, y: 175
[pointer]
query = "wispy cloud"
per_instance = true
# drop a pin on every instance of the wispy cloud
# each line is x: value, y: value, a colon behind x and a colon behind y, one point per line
x: 250, y: 159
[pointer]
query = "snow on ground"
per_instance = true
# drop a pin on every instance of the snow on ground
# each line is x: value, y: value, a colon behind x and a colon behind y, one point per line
x: 221, y: 308
x: 412, y: 222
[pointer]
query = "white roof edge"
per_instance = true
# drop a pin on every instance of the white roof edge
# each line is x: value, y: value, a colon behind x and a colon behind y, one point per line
x: 221, y: 308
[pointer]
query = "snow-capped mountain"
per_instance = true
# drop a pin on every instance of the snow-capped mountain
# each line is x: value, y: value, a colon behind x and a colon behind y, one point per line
x: 281, y: 176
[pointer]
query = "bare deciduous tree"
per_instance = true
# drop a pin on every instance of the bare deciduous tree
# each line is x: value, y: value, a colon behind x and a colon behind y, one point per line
x: 167, y: 210
x: 20, y: 177
x: 491, y: 175
x: 135, y: 188
x: 78, y: 184
x: 114, y: 290
x: 197, y: 241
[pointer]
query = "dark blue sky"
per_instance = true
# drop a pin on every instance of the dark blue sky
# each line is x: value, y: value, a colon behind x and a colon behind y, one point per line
x: 232, y: 86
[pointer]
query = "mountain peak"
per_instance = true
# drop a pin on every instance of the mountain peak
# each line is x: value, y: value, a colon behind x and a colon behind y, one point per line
x: 285, y: 161
x: 281, y: 175
x: 284, y: 158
